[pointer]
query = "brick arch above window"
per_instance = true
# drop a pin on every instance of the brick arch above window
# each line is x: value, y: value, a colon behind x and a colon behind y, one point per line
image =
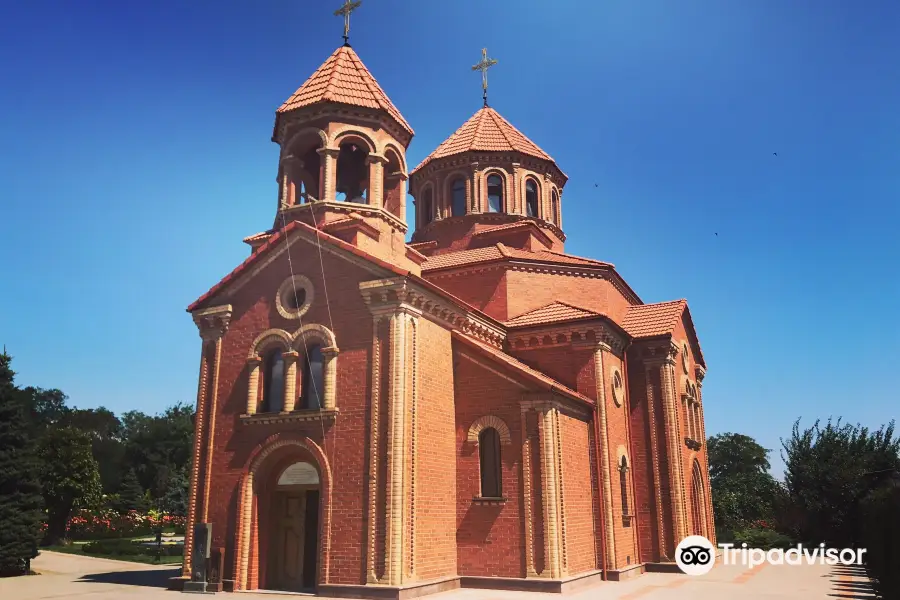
x: 482, y: 423
x: 268, y: 339
x: 313, y: 333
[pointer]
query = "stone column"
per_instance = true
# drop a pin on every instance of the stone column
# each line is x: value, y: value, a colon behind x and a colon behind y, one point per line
x: 559, y: 209
x: 550, y: 483
x: 246, y: 526
x: 253, y: 384
x: 603, y: 442
x: 376, y: 180
x: 329, y: 368
x: 515, y: 200
x: 329, y: 158
x: 528, y: 501
x: 403, y: 179
x: 700, y: 372
x: 290, y: 380
x: 673, y: 450
x: 655, y: 458
x: 212, y: 324
x: 546, y: 205
x: 475, y: 198
x: 397, y: 444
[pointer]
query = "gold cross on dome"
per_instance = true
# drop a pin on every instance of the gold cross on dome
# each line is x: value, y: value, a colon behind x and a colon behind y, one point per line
x: 344, y: 11
x: 485, y: 64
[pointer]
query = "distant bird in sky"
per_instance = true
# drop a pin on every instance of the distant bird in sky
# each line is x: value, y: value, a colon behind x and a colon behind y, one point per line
x: 775, y: 153
x: 717, y: 235
x: 595, y: 185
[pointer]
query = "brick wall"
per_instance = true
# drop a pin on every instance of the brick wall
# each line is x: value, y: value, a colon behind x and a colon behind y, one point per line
x: 436, y: 450
x: 254, y: 312
x: 578, y: 494
x: 489, y: 537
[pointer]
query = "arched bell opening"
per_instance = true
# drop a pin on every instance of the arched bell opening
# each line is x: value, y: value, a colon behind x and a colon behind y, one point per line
x: 302, y: 172
x: 352, y: 173
x: 392, y: 184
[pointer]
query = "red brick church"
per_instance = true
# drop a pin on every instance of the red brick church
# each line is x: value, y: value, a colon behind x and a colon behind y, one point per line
x: 475, y: 407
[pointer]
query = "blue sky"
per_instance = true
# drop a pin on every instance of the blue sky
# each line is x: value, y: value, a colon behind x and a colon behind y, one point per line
x: 135, y: 154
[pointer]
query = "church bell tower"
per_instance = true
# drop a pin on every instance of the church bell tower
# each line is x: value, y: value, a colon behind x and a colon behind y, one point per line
x: 342, y: 166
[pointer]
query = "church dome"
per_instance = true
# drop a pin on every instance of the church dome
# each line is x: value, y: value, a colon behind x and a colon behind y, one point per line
x: 487, y: 176
x: 486, y: 131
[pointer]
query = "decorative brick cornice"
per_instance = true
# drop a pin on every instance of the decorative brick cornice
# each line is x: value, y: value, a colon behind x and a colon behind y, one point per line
x: 398, y: 293
x: 294, y: 212
x: 699, y: 373
x: 315, y: 414
x: 213, y: 322
x: 340, y: 113
x: 587, y: 334
x: 657, y: 352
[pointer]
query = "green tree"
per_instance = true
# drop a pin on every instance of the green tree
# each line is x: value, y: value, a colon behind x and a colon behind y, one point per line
x: 131, y: 494
x: 743, y: 490
x: 69, y: 476
x: 825, y: 477
x: 20, y: 492
x: 107, y: 446
x: 157, y: 445
x: 176, y: 498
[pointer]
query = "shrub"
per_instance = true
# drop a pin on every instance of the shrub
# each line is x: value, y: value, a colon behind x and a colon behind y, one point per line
x: 763, y: 538
x: 130, y: 548
x: 880, y: 528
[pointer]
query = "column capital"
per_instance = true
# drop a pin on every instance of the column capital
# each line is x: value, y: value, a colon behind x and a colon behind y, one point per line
x: 212, y: 323
x: 376, y: 159
x: 254, y: 361
x: 330, y: 351
x: 333, y: 152
x: 290, y: 356
x: 699, y: 373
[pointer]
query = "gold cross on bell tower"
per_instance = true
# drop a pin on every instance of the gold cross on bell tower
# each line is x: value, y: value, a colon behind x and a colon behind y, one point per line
x: 344, y: 11
x: 485, y: 64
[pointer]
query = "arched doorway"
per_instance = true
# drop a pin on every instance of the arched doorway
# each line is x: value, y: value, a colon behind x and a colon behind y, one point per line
x: 294, y: 529
x: 284, y: 517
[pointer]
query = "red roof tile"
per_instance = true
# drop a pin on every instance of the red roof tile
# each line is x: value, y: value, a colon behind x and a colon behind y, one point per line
x: 498, y: 251
x: 552, y: 313
x: 487, y: 131
x: 344, y: 78
x: 648, y: 320
x: 542, y: 380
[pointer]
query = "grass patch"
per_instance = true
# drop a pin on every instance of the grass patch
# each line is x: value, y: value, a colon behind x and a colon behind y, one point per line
x: 77, y: 548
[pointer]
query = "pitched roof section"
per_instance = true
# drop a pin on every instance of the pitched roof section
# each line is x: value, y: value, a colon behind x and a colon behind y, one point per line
x: 486, y: 131
x: 552, y: 313
x: 500, y: 251
x: 521, y: 369
x: 344, y: 78
x: 648, y: 320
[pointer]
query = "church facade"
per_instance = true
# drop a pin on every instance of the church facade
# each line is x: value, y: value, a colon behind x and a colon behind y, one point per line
x: 379, y: 417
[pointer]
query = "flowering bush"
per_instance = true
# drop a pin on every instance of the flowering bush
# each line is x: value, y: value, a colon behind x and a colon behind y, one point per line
x: 106, y: 523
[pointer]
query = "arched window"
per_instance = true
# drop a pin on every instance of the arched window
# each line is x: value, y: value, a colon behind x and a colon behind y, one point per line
x: 458, y: 194
x: 698, y: 501
x: 495, y: 193
x: 489, y: 454
x: 312, y: 390
x: 554, y: 207
x: 427, y: 207
x: 623, y: 484
x: 273, y: 382
x: 531, y: 198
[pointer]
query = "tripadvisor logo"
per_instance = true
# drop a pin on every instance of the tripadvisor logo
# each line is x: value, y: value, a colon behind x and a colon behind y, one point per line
x: 696, y: 555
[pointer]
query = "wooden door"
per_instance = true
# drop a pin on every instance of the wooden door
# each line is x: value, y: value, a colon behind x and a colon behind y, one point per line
x: 290, y: 525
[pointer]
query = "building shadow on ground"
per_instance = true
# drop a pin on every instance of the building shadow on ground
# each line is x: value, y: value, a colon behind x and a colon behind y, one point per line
x: 155, y: 578
x: 843, y: 587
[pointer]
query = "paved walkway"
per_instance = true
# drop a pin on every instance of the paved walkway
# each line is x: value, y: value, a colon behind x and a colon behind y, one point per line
x: 69, y: 576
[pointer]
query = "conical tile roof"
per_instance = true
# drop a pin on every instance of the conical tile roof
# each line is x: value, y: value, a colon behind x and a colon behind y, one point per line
x: 343, y: 78
x: 487, y: 131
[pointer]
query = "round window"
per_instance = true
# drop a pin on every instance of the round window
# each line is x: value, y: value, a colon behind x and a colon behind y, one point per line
x: 294, y: 297
x: 618, y: 387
